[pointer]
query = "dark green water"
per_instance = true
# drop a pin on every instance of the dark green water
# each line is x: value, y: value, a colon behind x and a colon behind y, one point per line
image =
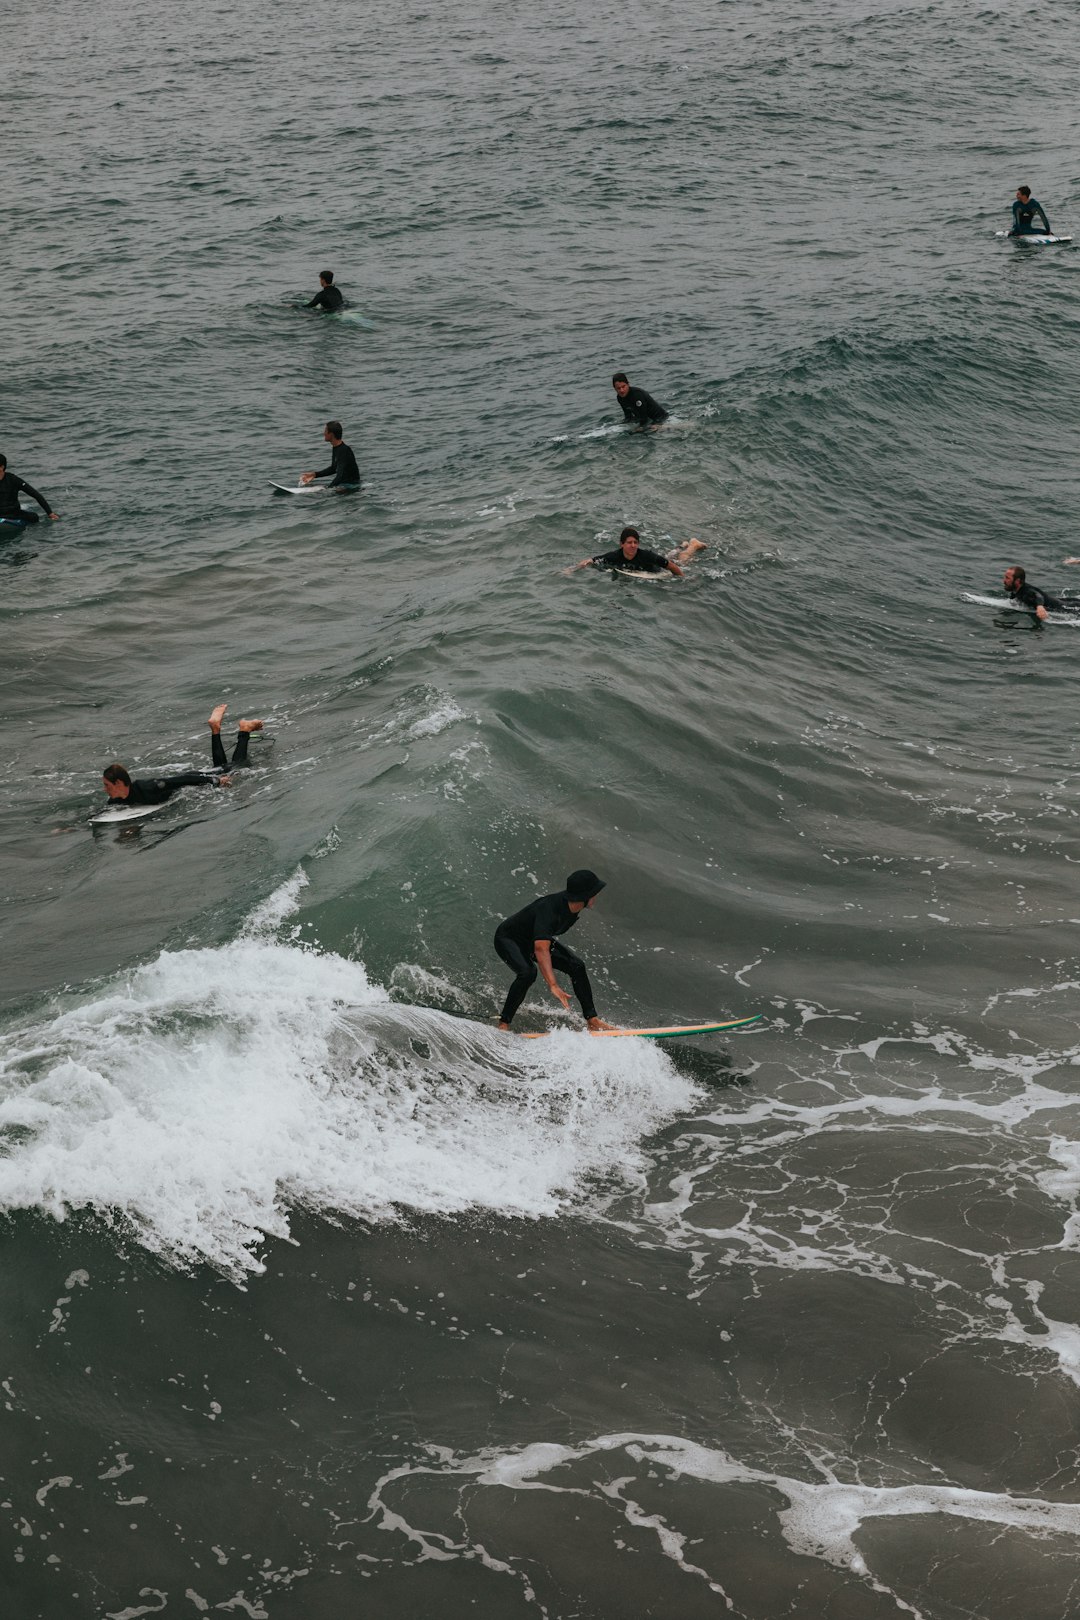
x: 319, y: 1297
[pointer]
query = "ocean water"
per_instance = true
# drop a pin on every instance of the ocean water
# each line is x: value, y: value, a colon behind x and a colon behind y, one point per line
x: 321, y: 1298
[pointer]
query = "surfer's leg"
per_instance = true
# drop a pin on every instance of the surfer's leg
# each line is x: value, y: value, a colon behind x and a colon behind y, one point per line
x: 565, y: 961
x: 216, y: 716
x: 243, y: 733
x: 689, y: 548
x: 525, y: 976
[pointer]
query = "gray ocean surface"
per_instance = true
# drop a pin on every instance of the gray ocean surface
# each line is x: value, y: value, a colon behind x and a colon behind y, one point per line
x: 319, y: 1297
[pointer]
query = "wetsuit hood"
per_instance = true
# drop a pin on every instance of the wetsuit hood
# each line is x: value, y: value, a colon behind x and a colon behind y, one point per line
x: 583, y: 884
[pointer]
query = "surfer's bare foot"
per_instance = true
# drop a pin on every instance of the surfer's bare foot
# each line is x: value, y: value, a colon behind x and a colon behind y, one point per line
x: 504, y: 1027
x: 599, y: 1023
x: 250, y: 725
x: 217, y: 717
x: 1070, y: 559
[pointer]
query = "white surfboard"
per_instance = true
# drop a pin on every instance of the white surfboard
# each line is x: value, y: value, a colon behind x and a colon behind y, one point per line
x: 661, y: 1032
x: 1033, y: 236
x: 642, y: 578
x: 299, y: 489
x: 134, y: 812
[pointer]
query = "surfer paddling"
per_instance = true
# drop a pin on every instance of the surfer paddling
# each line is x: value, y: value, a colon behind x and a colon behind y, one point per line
x: 1039, y: 602
x: 528, y: 942
x: 328, y: 297
x: 155, y: 790
x: 631, y: 557
x: 10, y: 487
x: 342, y: 472
x: 638, y: 407
x: 1024, y: 210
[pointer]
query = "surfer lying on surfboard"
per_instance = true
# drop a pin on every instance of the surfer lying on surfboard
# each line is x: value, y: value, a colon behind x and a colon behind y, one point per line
x: 527, y: 942
x: 155, y: 790
x: 1038, y: 602
x: 633, y: 558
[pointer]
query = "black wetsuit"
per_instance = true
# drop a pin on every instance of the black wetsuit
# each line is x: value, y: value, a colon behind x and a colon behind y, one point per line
x: 1024, y: 215
x: 515, y: 941
x: 328, y: 298
x: 343, y: 466
x: 640, y: 408
x: 1030, y: 597
x: 9, y: 499
x: 643, y: 561
x: 156, y: 789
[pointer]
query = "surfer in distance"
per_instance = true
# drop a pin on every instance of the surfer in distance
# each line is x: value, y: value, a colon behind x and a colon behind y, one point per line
x: 637, y: 406
x: 1040, y: 602
x: 1024, y: 210
x: 634, y: 558
x: 342, y: 472
x: 328, y: 297
x: 527, y: 942
x: 155, y: 790
x: 9, y: 498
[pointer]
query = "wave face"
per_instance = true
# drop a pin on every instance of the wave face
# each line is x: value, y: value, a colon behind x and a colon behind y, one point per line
x: 318, y: 1296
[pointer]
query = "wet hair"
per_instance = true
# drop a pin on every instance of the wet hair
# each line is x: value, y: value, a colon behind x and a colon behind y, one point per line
x: 1018, y: 574
x: 629, y: 534
x: 620, y: 376
x: 1025, y: 191
x: 3, y: 461
x: 326, y: 275
x: 334, y: 429
x: 116, y: 773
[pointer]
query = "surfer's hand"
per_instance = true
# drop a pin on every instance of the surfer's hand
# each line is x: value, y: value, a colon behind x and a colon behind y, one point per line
x: 307, y: 478
x: 55, y: 516
x: 560, y: 994
x: 224, y: 781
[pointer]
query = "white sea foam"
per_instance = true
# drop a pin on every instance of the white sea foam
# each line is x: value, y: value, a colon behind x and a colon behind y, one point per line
x: 818, y: 1518
x: 200, y: 1098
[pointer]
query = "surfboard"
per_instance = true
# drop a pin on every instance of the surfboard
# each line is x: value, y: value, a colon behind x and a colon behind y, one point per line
x: 1033, y: 236
x: 17, y: 523
x: 661, y: 1032
x: 135, y: 812
x: 641, y: 578
x: 298, y: 489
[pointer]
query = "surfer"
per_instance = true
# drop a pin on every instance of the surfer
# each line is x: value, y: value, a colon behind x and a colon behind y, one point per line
x: 1040, y: 602
x: 155, y: 790
x: 526, y: 941
x: 637, y: 406
x: 342, y: 472
x: 633, y: 558
x: 328, y: 297
x: 9, y: 498
x: 1024, y: 210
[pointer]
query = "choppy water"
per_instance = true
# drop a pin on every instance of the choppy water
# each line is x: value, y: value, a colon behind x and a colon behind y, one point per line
x: 320, y: 1297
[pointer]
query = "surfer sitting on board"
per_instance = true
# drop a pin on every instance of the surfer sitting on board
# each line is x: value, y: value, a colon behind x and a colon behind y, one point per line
x: 637, y: 406
x: 155, y: 790
x: 9, y: 498
x: 526, y: 941
x: 342, y: 471
x: 1040, y: 602
x: 634, y: 558
x: 1024, y: 210
x: 328, y: 297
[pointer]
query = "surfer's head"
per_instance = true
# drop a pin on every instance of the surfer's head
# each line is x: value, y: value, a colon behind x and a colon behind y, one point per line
x: 3, y: 465
x: 326, y: 277
x: 583, y: 886
x: 116, y: 781
x: 1023, y: 192
x: 332, y: 433
x: 620, y: 384
x: 629, y: 540
x: 1013, y: 579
